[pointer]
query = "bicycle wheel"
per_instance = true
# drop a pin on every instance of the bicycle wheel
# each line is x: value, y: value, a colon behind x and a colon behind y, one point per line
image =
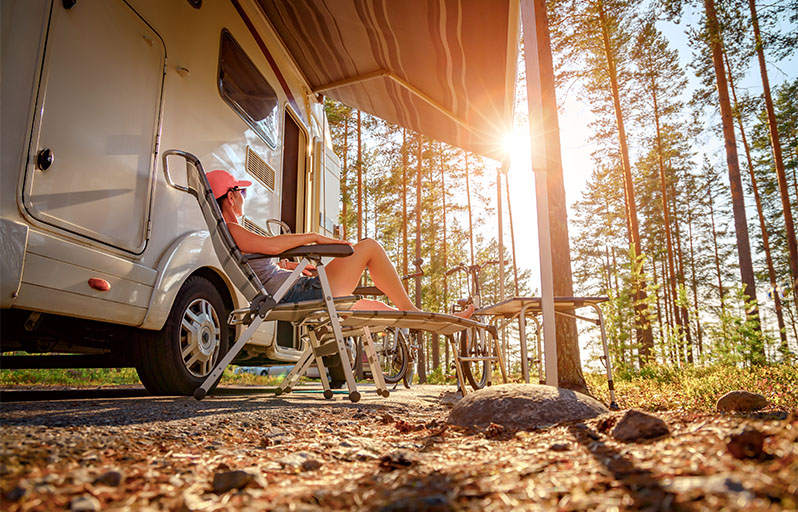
x: 474, y: 343
x: 392, y: 353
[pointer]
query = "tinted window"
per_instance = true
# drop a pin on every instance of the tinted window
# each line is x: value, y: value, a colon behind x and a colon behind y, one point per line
x: 244, y: 88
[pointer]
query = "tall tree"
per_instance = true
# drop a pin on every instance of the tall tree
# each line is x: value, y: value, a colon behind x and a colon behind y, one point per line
x: 662, y: 79
x: 738, y: 114
x: 738, y: 203
x: 422, y: 365
x: 642, y: 324
x: 775, y: 143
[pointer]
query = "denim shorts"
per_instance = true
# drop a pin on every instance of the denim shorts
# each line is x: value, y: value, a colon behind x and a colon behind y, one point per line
x: 306, y: 288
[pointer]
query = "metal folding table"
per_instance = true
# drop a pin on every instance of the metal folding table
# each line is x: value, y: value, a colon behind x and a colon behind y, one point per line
x: 505, y: 312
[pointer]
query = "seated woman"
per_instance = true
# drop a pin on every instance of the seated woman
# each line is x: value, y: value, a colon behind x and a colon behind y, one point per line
x: 343, y: 273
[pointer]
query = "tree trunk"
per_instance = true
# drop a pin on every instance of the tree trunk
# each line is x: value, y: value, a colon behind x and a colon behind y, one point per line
x: 777, y: 158
x: 344, y: 176
x: 445, y: 244
x: 681, y: 307
x: 569, y: 365
x: 738, y: 202
x: 721, y: 291
x: 663, y: 189
x: 359, y: 181
x: 760, y: 214
x: 470, y: 223
x: 422, y: 362
x: 694, y: 283
x: 645, y: 338
x: 659, y: 307
x: 404, y: 207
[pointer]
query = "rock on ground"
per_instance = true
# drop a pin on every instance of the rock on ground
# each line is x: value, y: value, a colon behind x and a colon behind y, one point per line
x: 741, y: 401
x: 523, y: 406
x: 635, y: 425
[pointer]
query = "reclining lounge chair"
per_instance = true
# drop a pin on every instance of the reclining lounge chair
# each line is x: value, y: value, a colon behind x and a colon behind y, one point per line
x: 323, y: 318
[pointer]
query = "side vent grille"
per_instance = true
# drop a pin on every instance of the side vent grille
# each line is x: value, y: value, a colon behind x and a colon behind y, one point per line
x: 259, y: 169
x: 254, y: 227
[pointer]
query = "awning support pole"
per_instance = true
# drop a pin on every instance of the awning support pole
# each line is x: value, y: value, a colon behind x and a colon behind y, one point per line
x: 500, y: 216
x: 531, y: 16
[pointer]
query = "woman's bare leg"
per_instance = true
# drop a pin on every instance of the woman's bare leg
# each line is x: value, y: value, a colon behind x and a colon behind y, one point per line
x: 344, y: 273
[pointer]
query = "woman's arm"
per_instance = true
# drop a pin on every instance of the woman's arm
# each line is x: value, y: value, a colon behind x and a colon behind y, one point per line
x: 254, y: 243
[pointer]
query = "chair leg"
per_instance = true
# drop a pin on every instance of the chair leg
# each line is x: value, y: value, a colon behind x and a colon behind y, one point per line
x: 325, y: 383
x: 354, y: 395
x: 374, y: 364
x: 457, y: 367
x: 499, y: 357
x: 217, y: 371
x: 297, y: 371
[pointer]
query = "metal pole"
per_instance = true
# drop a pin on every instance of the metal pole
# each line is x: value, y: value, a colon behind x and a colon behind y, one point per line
x: 531, y: 16
x: 501, y: 251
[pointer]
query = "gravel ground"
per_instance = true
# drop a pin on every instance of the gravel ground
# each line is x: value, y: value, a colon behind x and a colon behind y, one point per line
x: 253, y: 451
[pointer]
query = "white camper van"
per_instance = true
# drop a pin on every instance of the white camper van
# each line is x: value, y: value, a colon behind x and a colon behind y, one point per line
x: 100, y: 258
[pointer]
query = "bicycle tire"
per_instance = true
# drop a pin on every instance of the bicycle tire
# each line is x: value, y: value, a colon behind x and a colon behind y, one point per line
x: 397, y: 355
x: 475, y: 372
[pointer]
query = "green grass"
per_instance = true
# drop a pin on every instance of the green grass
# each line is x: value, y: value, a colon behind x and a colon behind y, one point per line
x: 656, y: 388
x: 697, y: 388
x: 95, y: 377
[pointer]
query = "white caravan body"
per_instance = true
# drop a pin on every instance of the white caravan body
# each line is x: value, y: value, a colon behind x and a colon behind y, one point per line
x: 92, y: 92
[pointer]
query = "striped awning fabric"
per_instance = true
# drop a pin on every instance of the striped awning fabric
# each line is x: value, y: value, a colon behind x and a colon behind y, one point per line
x: 443, y: 68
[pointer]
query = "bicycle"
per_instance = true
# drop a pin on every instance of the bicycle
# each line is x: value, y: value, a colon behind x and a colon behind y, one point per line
x: 474, y: 344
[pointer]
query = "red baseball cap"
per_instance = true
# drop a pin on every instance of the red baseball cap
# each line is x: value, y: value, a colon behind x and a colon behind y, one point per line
x: 223, y: 181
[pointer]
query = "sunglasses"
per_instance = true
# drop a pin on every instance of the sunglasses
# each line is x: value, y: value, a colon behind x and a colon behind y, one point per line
x: 243, y: 191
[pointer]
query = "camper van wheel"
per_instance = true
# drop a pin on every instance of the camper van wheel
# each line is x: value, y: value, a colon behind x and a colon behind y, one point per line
x: 176, y: 359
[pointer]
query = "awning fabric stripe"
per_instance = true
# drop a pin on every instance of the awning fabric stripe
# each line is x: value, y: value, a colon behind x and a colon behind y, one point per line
x: 460, y: 54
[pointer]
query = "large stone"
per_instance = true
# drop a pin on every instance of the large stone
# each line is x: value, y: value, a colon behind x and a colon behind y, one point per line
x: 523, y: 406
x: 741, y: 401
x: 635, y: 425
x: 746, y: 443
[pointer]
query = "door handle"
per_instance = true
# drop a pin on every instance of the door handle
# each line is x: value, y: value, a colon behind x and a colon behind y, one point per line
x: 45, y: 159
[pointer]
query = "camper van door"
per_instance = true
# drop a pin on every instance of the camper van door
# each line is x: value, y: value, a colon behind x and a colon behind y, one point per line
x: 90, y: 169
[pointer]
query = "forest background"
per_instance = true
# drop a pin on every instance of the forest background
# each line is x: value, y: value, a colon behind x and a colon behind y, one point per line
x: 633, y: 74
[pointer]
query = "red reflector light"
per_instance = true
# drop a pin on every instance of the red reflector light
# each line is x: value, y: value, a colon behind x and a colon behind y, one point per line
x: 99, y: 284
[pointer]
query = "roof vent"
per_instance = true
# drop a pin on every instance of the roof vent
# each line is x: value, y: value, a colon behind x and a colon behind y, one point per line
x: 259, y: 169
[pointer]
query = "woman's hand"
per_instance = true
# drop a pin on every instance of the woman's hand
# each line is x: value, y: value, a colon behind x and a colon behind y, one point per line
x: 291, y: 265
x: 327, y: 240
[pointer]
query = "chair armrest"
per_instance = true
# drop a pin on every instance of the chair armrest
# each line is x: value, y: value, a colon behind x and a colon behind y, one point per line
x: 311, y: 251
x: 334, y: 250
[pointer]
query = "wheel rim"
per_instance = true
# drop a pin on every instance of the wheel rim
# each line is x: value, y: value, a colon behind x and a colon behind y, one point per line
x: 391, y: 356
x: 200, y: 337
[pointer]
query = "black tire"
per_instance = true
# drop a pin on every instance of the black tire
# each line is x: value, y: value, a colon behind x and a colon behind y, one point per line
x: 472, y: 345
x: 264, y: 373
x: 393, y: 355
x: 160, y: 363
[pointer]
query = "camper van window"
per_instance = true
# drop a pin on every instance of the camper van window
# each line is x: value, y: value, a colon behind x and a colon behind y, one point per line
x: 244, y: 88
